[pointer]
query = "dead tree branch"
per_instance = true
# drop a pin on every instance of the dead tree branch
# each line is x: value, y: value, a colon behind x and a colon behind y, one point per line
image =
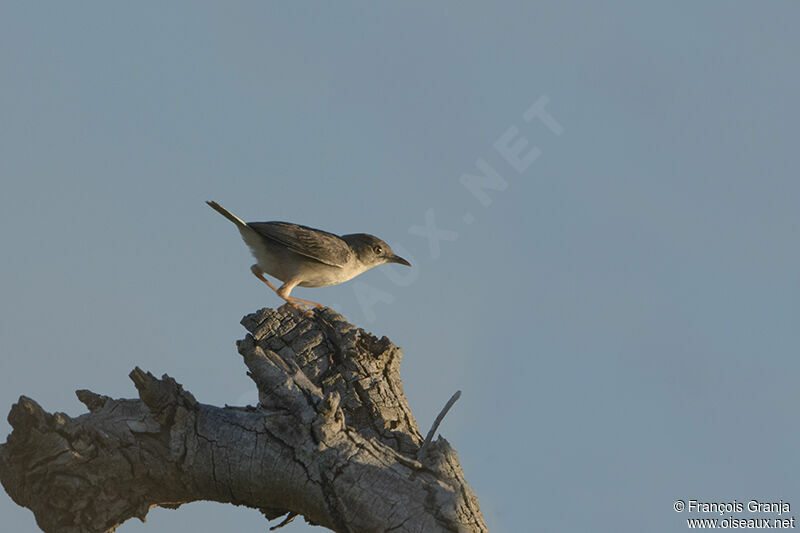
x: 332, y: 440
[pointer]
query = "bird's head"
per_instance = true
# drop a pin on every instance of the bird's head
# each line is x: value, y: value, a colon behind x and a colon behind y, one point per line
x: 371, y: 251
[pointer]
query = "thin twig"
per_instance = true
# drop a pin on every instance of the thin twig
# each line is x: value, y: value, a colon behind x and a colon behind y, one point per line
x: 436, y: 423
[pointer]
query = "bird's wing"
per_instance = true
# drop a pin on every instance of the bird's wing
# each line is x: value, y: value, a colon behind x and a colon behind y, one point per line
x: 319, y: 245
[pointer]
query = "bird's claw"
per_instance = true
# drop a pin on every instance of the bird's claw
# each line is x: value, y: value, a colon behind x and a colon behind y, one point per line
x: 306, y: 310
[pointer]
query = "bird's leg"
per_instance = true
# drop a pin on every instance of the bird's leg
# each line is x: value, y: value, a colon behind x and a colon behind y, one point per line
x: 284, y: 291
x: 256, y: 270
x: 298, y: 303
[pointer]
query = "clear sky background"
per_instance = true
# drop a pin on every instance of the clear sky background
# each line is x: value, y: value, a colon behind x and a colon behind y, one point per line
x: 622, y: 318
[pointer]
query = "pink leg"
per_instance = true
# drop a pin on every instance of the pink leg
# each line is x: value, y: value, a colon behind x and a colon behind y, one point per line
x: 284, y: 291
x: 260, y: 275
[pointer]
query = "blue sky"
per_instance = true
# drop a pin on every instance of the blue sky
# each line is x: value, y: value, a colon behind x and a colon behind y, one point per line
x: 622, y: 317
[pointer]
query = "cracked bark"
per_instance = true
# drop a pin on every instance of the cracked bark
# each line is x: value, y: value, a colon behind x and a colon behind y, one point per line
x: 332, y: 439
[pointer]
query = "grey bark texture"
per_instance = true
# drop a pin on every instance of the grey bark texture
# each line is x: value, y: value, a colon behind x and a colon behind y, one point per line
x: 332, y: 440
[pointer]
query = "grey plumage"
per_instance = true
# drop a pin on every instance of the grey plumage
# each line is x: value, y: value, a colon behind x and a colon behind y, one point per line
x: 313, y: 243
x: 308, y: 257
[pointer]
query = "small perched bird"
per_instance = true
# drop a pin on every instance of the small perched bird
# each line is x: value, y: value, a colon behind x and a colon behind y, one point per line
x: 308, y: 257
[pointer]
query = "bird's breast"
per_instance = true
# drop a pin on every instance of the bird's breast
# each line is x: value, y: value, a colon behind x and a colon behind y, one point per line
x: 324, y: 275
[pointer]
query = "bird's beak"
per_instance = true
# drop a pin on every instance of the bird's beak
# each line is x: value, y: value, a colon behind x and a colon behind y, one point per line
x: 398, y: 259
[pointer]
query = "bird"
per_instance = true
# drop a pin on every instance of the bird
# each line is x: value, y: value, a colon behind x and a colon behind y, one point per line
x: 307, y: 257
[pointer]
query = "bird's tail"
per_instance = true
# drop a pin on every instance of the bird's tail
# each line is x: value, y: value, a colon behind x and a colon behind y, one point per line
x: 227, y: 214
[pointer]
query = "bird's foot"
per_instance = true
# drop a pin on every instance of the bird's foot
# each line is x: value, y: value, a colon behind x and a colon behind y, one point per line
x: 306, y: 310
x: 306, y: 302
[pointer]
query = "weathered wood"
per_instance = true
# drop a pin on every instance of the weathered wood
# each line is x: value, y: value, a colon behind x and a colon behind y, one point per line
x: 332, y: 440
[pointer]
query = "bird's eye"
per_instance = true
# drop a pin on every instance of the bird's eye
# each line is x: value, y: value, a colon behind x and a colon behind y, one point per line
x: 378, y: 250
